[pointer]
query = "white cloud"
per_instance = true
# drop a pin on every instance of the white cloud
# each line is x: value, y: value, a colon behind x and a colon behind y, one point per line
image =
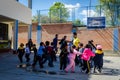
x: 72, y: 8
x: 77, y: 5
x: 84, y: 19
x: 88, y: 13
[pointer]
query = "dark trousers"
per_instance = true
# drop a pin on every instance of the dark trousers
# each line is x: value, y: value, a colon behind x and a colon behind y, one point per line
x: 98, y: 62
x: 49, y: 59
x: 76, y: 60
x: 63, y: 63
x: 86, y: 66
x: 20, y: 56
x: 35, y: 56
x: 38, y: 59
x: 27, y: 56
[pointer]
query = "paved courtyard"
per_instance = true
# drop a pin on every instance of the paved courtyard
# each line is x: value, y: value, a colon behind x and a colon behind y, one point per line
x: 9, y: 71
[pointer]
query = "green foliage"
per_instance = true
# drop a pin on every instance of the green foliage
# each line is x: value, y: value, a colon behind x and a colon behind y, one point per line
x: 78, y: 23
x: 58, y: 12
x: 43, y: 19
x: 35, y: 18
x: 111, y: 10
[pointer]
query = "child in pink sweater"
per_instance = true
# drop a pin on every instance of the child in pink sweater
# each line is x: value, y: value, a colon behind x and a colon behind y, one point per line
x: 87, y: 54
x: 71, y: 56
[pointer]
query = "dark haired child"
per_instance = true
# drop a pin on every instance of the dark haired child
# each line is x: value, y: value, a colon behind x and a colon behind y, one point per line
x: 21, y: 51
x: 81, y: 49
x: 98, y: 59
x: 27, y: 53
x: 39, y: 55
x: 35, y: 52
x: 72, y: 54
x: 86, y: 55
x: 48, y: 54
x: 63, y: 58
x: 53, y: 53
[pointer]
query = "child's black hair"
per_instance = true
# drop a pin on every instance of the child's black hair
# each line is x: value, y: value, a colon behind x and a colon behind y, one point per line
x: 71, y: 51
x: 88, y: 46
x: 51, y: 43
x: 73, y: 46
x: 74, y: 33
x: 41, y: 43
x: 26, y: 44
x: 47, y: 43
x: 81, y: 44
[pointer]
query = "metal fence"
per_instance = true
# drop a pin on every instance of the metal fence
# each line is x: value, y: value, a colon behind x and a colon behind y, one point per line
x: 79, y: 15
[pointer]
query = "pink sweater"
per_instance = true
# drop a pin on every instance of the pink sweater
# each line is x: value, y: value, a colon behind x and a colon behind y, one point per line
x: 87, y: 54
x: 73, y: 55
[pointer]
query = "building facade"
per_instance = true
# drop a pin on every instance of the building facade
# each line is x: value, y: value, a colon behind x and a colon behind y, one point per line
x: 12, y: 12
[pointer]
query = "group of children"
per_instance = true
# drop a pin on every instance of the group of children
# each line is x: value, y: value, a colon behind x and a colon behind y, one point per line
x: 44, y: 53
x: 86, y: 55
x: 89, y: 56
x: 21, y: 51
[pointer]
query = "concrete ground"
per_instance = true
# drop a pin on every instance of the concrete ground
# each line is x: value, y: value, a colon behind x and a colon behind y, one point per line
x: 9, y: 71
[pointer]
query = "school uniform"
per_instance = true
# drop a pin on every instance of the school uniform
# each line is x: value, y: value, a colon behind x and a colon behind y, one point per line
x: 27, y: 54
x: 21, y: 51
x: 63, y: 59
x: 87, y: 54
x: 98, y: 60
x: 39, y: 55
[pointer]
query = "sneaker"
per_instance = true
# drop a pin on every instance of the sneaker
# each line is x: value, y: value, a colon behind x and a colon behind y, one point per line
x: 99, y: 70
x: 83, y: 71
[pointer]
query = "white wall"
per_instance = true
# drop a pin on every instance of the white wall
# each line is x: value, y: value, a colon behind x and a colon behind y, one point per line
x: 15, y: 10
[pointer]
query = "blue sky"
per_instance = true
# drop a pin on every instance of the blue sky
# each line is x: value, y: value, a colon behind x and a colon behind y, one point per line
x: 45, y: 4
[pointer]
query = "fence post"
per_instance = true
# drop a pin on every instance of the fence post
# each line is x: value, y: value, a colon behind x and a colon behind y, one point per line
x: 39, y: 29
x: 116, y: 39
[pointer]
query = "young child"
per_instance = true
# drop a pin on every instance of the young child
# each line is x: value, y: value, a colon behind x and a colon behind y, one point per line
x: 21, y: 51
x: 71, y: 56
x: 27, y: 53
x: 98, y: 59
x: 39, y: 55
x: 81, y: 49
x: 53, y: 53
x: 63, y: 58
x: 86, y: 55
x: 35, y: 52
x: 48, y: 54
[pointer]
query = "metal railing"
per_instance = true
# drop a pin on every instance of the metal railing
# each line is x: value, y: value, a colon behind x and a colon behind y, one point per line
x: 78, y: 14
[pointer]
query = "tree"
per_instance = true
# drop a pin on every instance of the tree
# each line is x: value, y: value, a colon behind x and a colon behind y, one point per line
x: 58, y: 12
x: 43, y: 19
x: 35, y: 19
x: 78, y: 23
x: 111, y: 10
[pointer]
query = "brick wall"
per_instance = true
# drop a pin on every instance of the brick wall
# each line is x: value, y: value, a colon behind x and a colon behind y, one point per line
x: 101, y: 36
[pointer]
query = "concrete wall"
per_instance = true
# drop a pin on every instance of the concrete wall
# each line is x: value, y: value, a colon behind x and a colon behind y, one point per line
x: 15, y: 10
x: 100, y: 36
